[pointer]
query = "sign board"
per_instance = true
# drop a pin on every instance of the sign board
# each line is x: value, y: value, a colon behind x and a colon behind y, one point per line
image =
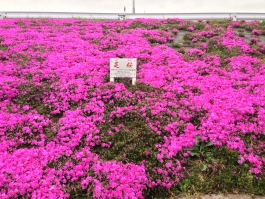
x: 123, y: 68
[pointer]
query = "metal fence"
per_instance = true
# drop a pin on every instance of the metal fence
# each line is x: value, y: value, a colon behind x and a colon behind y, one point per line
x: 190, y: 16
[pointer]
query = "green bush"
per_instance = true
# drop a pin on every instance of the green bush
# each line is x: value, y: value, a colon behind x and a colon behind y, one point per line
x: 176, y: 45
x: 241, y: 34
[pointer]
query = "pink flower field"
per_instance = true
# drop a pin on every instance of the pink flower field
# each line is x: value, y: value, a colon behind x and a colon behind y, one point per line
x: 193, y: 123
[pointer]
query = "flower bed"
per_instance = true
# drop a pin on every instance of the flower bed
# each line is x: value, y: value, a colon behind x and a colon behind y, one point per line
x: 194, y: 122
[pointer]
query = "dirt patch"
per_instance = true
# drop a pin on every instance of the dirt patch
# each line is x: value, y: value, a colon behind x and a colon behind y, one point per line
x: 262, y: 39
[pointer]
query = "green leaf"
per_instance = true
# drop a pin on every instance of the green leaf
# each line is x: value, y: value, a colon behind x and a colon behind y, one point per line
x: 194, y: 154
x: 195, y: 148
x: 204, y: 167
x: 208, y: 144
x: 198, y: 140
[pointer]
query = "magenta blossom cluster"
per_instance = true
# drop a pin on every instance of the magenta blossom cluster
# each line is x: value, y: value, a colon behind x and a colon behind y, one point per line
x: 56, y: 100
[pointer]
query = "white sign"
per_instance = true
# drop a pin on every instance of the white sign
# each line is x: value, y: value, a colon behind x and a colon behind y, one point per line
x: 123, y: 68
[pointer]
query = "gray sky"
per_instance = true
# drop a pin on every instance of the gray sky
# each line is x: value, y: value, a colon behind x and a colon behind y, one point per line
x: 148, y: 6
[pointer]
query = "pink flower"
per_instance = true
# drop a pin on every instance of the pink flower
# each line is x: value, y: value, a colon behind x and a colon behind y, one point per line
x: 253, y: 39
x: 147, y: 153
x: 26, y: 108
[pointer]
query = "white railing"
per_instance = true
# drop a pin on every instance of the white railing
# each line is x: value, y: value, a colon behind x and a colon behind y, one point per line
x: 191, y: 16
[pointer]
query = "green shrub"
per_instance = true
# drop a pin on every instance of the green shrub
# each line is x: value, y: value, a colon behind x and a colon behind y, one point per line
x: 200, y: 26
x: 241, y: 34
x: 176, y: 45
x: 187, y: 37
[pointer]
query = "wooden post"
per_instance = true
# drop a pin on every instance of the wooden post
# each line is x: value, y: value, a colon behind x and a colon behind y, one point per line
x: 133, y: 11
x: 133, y: 81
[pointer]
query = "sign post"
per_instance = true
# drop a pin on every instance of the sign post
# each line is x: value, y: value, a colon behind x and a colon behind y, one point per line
x: 123, y: 68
